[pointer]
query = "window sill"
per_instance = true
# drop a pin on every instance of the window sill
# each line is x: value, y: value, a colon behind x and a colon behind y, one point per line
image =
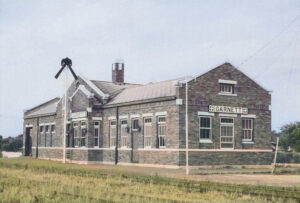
x: 247, y: 142
x: 227, y: 94
x: 205, y: 141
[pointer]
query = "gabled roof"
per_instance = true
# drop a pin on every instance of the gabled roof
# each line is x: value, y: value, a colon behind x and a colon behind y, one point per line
x: 110, y: 87
x: 47, y: 108
x: 148, y: 91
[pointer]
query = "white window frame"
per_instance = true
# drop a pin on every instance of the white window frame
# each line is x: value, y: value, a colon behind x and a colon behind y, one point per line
x: 132, y: 124
x: 112, y: 136
x: 124, y: 138
x: 46, y: 134
x: 76, y: 134
x: 81, y: 133
x: 224, y: 86
x: 52, y: 133
x: 41, y: 133
x: 159, y: 123
x: 247, y: 129
x: 98, y: 134
x: 229, y: 125
x: 147, y: 138
x: 209, y: 140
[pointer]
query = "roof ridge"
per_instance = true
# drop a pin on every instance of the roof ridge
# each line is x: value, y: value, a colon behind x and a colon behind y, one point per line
x: 126, y: 83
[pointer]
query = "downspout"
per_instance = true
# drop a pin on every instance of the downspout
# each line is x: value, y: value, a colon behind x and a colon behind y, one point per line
x: 37, y: 138
x: 117, y: 137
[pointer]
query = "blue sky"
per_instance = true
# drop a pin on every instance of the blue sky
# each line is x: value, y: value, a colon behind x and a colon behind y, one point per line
x: 158, y: 40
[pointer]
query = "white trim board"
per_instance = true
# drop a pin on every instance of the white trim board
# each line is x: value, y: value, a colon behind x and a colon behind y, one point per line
x: 97, y: 118
x: 227, y: 115
x: 147, y: 114
x: 203, y: 113
x: 162, y: 113
x: 233, y: 82
x: 248, y: 116
x: 123, y: 116
x: 135, y: 116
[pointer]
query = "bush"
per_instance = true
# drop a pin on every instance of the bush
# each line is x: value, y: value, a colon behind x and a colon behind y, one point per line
x: 288, y: 157
x: 290, y: 137
x: 0, y: 154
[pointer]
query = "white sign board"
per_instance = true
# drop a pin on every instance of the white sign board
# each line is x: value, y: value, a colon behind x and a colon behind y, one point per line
x: 228, y: 109
x: 82, y: 114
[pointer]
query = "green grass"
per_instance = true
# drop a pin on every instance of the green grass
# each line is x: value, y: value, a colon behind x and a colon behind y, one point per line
x: 31, y: 180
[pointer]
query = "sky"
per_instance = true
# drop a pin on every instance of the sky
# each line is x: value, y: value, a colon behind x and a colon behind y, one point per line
x: 157, y: 39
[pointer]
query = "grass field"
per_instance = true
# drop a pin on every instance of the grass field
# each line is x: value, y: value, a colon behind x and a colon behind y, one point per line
x: 31, y: 180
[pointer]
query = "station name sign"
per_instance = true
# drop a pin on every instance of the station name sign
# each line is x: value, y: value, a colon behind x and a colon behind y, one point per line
x: 228, y: 109
x: 82, y: 114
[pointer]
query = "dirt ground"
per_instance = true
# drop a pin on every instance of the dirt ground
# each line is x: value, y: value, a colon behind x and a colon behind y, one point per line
x: 254, y: 179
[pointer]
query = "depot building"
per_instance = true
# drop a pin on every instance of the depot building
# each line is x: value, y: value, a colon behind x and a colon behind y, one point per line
x: 114, y: 122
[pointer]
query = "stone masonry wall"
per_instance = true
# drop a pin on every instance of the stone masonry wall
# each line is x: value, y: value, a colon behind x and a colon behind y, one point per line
x: 203, y: 91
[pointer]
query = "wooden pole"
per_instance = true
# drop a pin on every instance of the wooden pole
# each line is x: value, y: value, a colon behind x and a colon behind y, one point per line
x: 275, y: 157
x: 186, y: 130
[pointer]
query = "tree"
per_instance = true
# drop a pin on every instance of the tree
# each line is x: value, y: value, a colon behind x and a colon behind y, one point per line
x: 290, y: 136
x: 12, y: 144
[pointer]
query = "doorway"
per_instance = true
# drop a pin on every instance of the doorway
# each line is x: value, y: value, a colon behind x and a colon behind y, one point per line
x: 227, y: 133
x: 28, y: 141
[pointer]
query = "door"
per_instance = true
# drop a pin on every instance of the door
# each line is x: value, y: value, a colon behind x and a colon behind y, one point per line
x: 28, y: 142
x: 227, y: 133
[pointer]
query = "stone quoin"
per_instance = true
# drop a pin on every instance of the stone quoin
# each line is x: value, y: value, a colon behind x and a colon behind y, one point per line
x: 229, y: 121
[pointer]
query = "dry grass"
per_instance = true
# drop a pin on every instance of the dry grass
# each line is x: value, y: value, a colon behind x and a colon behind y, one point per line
x: 29, y: 180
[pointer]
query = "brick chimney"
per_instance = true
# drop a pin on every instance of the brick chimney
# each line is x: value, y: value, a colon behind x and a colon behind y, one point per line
x: 118, y: 72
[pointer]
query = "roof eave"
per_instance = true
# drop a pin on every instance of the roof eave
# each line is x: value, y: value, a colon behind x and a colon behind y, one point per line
x: 40, y: 115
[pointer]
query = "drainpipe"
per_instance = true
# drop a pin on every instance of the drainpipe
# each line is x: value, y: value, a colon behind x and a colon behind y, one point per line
x: 37, y: 138
x: 117, y: 137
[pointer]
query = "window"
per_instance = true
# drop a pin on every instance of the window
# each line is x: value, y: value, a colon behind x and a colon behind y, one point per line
x: 51, y: 135
x: 205, y: 127
x: 112, y: 133
x: 96, y: 133
x: 41, y: 129
x: 226, y: 88
x: 41, y: 135
x: 69, y: 137
x: 76, y: 135
x: 161, y: 129
x: 47, y: 130
x: 247, y: 125
x: 83, y: 134
x: 124, y: 134
x: 227, y: 132
x: 135, y: 124
x: 147, y: 132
